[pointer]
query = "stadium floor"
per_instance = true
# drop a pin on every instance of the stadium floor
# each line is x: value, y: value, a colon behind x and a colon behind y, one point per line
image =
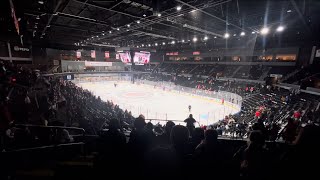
x: 159, y: 105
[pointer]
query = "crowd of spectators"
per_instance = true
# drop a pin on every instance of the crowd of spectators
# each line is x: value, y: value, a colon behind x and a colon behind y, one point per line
x: 173, y: 151
x: 264, y: 107
x: 214, y: 70
x: 179, y: 152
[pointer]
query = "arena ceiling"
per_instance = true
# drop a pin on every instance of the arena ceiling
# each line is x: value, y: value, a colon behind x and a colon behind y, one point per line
x: 140, y: 23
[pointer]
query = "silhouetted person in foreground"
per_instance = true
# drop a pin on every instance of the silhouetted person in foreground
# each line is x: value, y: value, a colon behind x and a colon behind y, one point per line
x: 112, y: 148
x: 197, y: 137
x: 190, y: 123
x: 252, y: 160
x: 170, y: 162
x: 209, y: 156
x: 303, y: 159
x: 138, y: 145
x: 164, y: 139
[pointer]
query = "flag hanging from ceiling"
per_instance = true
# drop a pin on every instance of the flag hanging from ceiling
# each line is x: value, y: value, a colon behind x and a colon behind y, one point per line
x: 93, y: 54
x: 78, y: 54
x: 13, y: 15
x: 106, y: 54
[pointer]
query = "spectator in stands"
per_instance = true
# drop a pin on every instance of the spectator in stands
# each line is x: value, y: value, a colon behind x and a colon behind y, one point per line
x: 297, y: 114
x: 190, y: 123
x: 259, y: 126
x: 197, y: 137
x: 289, y: 132
x: 112, y: 149
x: 164, y: 139
x: 61, y: 135
x: 273, y: 132
x: 302, y: 161
x: 209, y: 155
x: 179, y: 139
x: 113, y: 138
x: 252, y: 160
x: 180, y: 146
x: 139, y: 142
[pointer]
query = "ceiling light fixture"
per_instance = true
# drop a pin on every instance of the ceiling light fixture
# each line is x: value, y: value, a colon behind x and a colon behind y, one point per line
x: 280, y: 29
x: 118, y: 29
x: 138, y: 22
x: 179, y: 8
x: 159, y: 15
x: 264, y: 31
x: 195, y: 39
x: 242, y: 33
x: 226, y: 35
x: 163, y: 43
x: 173, y: 42
x: 205, y: 38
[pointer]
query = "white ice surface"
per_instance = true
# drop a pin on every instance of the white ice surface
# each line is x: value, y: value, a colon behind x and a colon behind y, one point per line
x: 159, y: 104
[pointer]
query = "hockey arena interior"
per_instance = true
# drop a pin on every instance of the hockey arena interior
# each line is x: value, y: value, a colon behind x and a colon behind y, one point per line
x: 168, y: 89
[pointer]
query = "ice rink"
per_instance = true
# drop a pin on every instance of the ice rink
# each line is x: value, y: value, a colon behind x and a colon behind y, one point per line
x: 155, y: 103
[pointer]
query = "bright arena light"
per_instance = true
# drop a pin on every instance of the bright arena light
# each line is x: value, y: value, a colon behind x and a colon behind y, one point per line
x: 173, y: 42
x: 264, y: 31
x: 195, y: 39
x: 242, y: 34
x: 205, y: 38
x: 226, y: 35
x: 280, y: 29
x: 138, y: 22
x: 156, y: 44
x: 182, y: 40
x: 118, y: 29
x: 163, y: 43
x: 159, y: 15
x: 179, y: 8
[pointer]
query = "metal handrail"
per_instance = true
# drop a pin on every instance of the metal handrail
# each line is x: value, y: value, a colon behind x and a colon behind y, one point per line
x: 56, y: 127
x: 44, y: 147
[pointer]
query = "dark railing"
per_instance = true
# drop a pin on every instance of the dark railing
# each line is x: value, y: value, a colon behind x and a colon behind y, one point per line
x: 51, y: 144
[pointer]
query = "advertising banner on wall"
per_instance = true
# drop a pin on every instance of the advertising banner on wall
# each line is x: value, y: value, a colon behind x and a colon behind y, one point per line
x: 20, y: 51
x: 95, y: 63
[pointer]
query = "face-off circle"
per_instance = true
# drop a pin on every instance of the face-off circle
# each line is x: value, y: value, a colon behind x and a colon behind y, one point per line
x: 136, y: 94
